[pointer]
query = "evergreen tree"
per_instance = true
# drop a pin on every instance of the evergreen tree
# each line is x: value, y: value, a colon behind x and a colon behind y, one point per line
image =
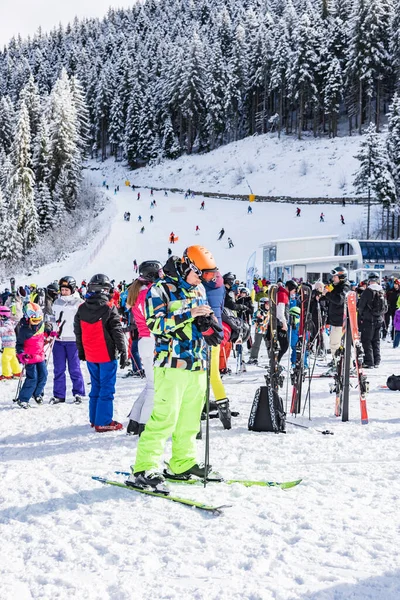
x: 393, y: 143
x: 333, y: 94
x: 82, y: 113
x: 41, y: 153
x: 45, y: 207
x: 30, y: 96
x: 22, y: 182
x: 117, y: 127
x: 7, y: 123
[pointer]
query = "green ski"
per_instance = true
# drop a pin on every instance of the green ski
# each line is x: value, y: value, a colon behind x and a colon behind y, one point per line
x: 216, y: 510
x: 285, y: 485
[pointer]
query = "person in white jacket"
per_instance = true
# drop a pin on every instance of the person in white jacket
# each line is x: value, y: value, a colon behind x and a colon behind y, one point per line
x: 65, y: 351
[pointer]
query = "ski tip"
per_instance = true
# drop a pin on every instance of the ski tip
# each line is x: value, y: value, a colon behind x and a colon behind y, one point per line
x: 291, y: 484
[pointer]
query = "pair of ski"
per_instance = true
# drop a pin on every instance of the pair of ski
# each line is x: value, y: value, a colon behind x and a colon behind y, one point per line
x: 216, y: 510
x: 298, y: 374
x: 350, y: 339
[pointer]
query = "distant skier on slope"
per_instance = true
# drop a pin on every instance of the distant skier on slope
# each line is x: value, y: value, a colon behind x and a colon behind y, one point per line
x: 342, y: 220
x: 221, y: 233
x: 202, y: 205
x: 249, y: 210
x: 322, y: 218
x: 231, y: 245
x: 298, y: 212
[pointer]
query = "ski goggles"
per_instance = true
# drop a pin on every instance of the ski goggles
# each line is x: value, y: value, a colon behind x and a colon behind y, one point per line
x: 208, y: 275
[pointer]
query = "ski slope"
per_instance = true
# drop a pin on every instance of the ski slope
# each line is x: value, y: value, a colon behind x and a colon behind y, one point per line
x: 119, y: 243
x: 333, y: 537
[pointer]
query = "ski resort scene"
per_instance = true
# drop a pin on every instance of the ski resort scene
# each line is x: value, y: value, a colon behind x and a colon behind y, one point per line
x: 200, y: 300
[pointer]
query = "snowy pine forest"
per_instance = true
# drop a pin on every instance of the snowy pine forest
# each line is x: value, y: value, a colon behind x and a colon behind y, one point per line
x: 169, y: 77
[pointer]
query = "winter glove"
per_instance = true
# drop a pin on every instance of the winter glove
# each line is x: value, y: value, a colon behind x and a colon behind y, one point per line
x: 53, y: 334
x: 210, y: 329
x: 81, y: 355
x: 23, y: 358
x: 123, y: 361
x: 48, y: 328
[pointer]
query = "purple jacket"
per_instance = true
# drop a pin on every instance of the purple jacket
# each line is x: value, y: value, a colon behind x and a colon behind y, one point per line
x: 396, y: 321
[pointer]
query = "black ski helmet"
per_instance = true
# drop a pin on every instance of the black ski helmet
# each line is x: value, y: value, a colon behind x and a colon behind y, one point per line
x: 291, y: 285
x: 373, y: 276
x: 67, y: 282
x: 229, y: 278
x: 150, y: 270
x: 100, y: 283
x: 263, y: 302
x: 340, y: 271
x: 52, y: 290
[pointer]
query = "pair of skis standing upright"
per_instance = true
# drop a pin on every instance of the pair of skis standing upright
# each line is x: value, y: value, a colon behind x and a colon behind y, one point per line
x: 350, y: 338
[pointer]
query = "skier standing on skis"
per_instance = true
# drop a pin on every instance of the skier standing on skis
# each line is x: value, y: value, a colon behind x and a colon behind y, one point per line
x: 30, y: 352
x: 221, y: 233
x: 371, y: 311
x: 298, y: 212
x: 202, y: 205
x: 182, y: 323
x: 100, y: 339
x: 322, y: 218
x: 65, y: 351
x: 336, y: 297
x: 342, y: 220
x: 230, y: 243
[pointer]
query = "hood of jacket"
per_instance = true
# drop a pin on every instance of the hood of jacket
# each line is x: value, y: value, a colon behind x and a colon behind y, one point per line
x: 376, y: 287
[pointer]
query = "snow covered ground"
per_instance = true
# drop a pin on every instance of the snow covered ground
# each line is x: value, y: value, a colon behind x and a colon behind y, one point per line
x: 333, y: 537
x: 272, y: 167
x: 112, y: 251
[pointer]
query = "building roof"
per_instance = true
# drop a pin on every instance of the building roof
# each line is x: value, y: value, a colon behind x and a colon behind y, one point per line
x: 312, y: 260
x: 302, y: 239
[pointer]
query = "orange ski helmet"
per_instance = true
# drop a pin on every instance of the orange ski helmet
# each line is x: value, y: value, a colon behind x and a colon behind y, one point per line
x: 200, y: 260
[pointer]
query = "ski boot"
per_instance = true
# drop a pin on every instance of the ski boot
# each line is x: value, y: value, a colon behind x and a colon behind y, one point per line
x: 252, y: 361
x: 17, y: 375
x: 224, y: 413
x: 148, y: 480
x: 38, y: 399
x: 22, y: 404
x: 133, y: 427
x: 113, y: 426
x: 198, y: 470
x: 54, y: 400
x: 78, y: 399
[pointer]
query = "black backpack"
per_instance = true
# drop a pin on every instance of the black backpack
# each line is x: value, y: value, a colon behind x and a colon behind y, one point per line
x: 267, y: 412
x: 378, y: 306
x: 393, y: 383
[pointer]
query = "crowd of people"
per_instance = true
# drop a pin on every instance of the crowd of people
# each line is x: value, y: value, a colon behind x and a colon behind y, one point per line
x: 172, y: 325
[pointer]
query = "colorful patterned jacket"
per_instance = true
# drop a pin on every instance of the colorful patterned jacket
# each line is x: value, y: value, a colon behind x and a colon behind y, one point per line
x: 178, y: 342
x: 7, y: 333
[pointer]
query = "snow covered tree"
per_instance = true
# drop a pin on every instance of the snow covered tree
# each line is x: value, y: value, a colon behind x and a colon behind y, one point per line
x: 333, y: 94
x: 7, y: 122
x: 170, y: 145
x: 64, y: 139
x: 393, y: 143
x: 303, y: 69
x: 61, y: 196
x: 117, y: 126
x: 10, y: 241
x: 22, y: 182
x: 41, y: 153
x: 45, y: 207
x: 82, y: 113
x: 30, y: 95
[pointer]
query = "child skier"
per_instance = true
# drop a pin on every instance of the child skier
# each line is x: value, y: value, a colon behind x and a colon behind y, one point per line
x: 100, y: 338
x: 30, y: 352
x: 9, y: 364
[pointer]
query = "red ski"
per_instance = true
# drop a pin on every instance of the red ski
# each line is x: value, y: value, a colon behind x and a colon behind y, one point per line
x: 359, y: 355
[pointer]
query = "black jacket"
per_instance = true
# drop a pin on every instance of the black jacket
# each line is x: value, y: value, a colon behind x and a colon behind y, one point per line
x: 392, y: 296
x: 366, y: 301
x: 232, y: 305
x: 336, y: 300
x: 246, y: 302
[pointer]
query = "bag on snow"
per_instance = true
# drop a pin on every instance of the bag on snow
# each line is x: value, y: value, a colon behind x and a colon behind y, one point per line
x: 393, y: 383
x: 267, y: 412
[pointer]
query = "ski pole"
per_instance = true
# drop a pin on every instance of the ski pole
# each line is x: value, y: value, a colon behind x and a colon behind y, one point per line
x: 207, y: 443
x: 308, y: 395
x: 21, y: 375
x: 325, y: 432
x: 288, y: 370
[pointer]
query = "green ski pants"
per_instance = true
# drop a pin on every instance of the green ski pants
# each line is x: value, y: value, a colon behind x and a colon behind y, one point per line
x: 178, y: 401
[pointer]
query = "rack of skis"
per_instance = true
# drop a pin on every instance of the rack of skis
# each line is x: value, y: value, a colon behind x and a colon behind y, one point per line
x: 267, y: 412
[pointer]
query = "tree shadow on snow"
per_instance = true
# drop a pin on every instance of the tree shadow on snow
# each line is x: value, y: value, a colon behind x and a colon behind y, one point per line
x: 383, y: 587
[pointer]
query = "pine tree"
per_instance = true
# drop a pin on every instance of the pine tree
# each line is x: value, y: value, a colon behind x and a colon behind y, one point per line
x: 303, y: 69
x: 30, y: 95
x: 7, y: 123
x: 116, y: 128
x: 170, y: 144
x: 82, y: 113
x: 393, y: 143
x: 10, y: 241
x: 22, y: 182
x: 41, y: 153
x: 61, y: 197
x: 333, y: 94
x: 45, y: 207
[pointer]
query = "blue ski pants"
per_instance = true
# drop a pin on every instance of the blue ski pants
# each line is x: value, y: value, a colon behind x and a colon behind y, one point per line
x: 101, y: 396
x: 35, y: 380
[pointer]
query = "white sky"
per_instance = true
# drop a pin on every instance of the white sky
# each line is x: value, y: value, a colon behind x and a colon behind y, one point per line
x: 25, y: 16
